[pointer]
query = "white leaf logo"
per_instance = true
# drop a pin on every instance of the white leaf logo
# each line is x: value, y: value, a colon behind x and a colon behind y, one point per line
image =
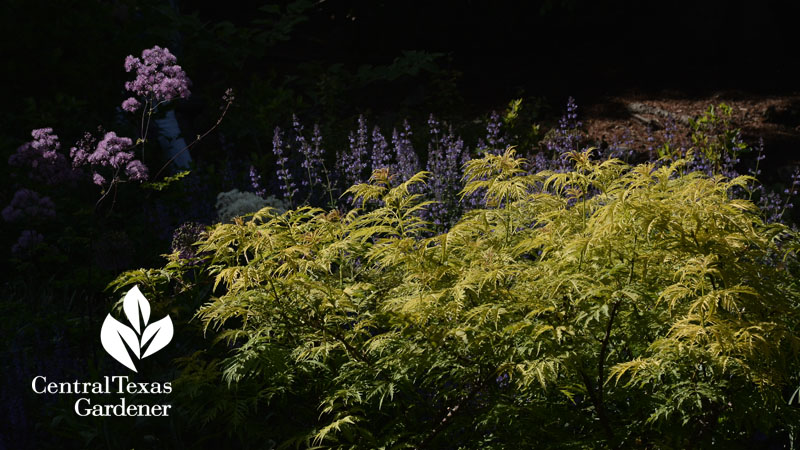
x: 117, y: 338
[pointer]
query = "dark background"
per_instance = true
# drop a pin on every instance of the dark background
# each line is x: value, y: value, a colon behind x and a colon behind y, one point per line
x: 557, y: 45
x: 495, y: 49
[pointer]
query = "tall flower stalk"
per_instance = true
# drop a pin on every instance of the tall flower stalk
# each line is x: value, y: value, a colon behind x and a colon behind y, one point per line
x: 287, y: 185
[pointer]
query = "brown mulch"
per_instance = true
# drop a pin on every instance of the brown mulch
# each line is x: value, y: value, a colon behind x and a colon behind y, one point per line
x: 775, y: 119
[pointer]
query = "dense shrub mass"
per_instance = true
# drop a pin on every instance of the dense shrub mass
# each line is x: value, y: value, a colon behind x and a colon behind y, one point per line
x: 605, y: 305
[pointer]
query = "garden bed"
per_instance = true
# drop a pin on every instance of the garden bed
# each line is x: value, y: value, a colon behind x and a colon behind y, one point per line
x: 773, y: 118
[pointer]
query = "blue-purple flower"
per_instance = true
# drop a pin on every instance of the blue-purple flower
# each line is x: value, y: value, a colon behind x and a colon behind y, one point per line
x: 380, y: 158
x: 287, y: 186
x: 407, y: 161
x: 352, y: 164
x: 312, y: 153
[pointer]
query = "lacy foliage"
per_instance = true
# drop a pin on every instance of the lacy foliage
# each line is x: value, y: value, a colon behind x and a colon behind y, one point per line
x: 606, y: 305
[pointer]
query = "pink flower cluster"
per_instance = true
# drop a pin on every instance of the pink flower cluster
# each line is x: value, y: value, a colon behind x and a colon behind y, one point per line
x: 27, y: 241
x: 158, y: 78
x: 112, y: 151
x: 42, y: 159
x: 27, y: 205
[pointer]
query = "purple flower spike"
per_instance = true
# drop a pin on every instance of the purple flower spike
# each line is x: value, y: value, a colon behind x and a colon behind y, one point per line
x: 566, y: 138
x: 255, y: 183
x: 353, y: 164
x: 380, y: 150
x: 316, y: 154
x: 287, y: 186
x: 407, y: 159
x: 446, y: 155
x: 495, y: 142
x: 312, y: 154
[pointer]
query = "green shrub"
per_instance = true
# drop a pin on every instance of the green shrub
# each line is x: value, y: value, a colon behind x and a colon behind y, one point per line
x: 607, y: 306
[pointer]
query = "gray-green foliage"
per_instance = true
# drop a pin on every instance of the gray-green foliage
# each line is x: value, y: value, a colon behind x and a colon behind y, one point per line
x: 610, y: 306
x: 235, y: 203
